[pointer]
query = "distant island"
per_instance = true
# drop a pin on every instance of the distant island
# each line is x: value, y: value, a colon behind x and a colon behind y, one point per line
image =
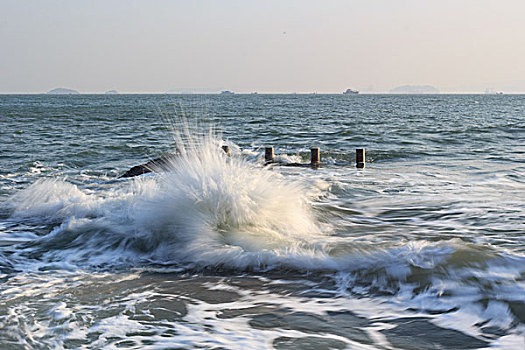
x: 111, y: 92
x: 62, y: 91
x: 350, y: 92
x: 414, y: 89
x: 227, y: 92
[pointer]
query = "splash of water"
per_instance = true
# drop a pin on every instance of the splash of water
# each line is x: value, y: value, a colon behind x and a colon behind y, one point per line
x: 206, y: 208
x: 213, y: 210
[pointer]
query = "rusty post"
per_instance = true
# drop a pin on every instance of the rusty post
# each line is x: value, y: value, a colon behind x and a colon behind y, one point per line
x: 268, y: 154
x: 226, y: 149
x: 360, y: 158
x: 315, y: 155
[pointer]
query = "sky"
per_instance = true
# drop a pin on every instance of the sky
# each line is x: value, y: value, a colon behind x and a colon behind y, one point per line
x: 323, y: 46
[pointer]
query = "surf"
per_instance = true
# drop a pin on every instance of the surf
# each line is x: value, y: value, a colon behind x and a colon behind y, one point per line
x: 206, y: 208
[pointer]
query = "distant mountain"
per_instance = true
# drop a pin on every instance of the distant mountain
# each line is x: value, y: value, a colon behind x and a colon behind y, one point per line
x: 111, y: 92
x: 62, y: 91
x: 414, y: 89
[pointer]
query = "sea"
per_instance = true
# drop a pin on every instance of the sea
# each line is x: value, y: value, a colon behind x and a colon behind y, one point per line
x: 423, y: 248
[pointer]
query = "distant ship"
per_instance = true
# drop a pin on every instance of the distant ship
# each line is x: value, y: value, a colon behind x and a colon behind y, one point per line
x: 350, y: 92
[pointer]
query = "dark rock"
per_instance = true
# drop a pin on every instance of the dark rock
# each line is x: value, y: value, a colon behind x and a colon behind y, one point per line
x: 159, y: 164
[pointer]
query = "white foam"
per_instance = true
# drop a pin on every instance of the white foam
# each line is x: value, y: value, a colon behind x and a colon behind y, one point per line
x: 47, y: 198
x: 210, y: 210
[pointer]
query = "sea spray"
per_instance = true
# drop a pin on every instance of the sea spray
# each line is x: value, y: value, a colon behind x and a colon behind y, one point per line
x: 223, y: 210
x: 207, y: 208
x: 211, y: 210
x: 424, y: 241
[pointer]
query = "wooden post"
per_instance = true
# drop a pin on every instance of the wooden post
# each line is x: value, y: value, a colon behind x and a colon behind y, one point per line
x: 226, y: 149
x: 315, y: 155
x: 360, y: 158
x: 268, y: 154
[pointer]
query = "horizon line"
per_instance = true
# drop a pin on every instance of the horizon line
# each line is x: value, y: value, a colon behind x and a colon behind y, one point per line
x: 268, y: 93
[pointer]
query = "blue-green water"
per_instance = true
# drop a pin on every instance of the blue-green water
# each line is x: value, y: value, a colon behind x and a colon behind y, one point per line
x: 422, y: 249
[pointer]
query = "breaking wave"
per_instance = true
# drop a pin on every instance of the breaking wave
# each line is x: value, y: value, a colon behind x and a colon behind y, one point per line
x: 207, y: 209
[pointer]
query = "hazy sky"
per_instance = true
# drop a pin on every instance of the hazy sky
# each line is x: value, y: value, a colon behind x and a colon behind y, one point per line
x: 265, y: 46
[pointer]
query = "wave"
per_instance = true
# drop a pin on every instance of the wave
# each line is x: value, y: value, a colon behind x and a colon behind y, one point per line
x: 207, y: 209
x: 213, y: 211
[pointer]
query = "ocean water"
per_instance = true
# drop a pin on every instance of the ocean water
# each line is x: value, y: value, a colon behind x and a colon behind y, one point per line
x: 422, y: 249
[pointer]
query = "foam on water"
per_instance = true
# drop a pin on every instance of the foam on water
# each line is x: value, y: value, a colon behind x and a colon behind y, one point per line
x: 208, y: 209
x: 110, y: 310
x: 211, y: 211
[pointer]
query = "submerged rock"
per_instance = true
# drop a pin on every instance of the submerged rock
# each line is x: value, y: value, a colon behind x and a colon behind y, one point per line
x: 157, y: 164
